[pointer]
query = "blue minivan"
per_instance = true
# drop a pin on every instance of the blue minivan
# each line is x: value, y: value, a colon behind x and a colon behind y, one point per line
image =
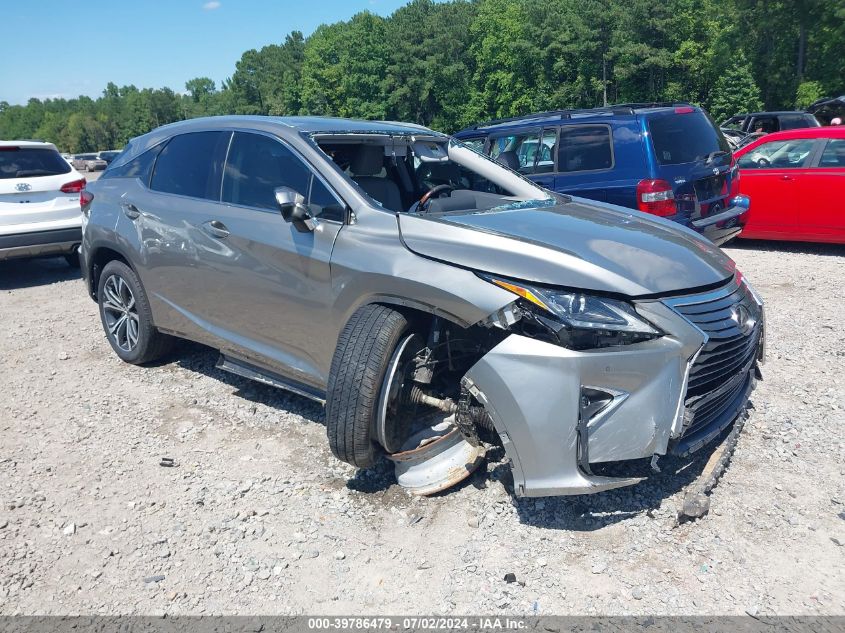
x: 667, y: 159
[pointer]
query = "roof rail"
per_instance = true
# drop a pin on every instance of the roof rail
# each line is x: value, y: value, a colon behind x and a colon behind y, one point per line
x: 621, y: 108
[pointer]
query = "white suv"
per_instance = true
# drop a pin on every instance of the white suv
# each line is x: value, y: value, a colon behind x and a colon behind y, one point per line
x: 39, y: 202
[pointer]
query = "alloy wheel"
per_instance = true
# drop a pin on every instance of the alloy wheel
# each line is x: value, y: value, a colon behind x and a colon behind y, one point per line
x: 120, y: 313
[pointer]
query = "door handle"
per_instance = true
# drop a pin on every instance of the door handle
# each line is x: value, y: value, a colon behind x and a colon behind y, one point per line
x: 130, y: 210
x: 215, y: 228
x: 784, y: 177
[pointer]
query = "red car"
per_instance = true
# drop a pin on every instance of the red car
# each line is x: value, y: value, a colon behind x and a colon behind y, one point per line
x: 796, y: 182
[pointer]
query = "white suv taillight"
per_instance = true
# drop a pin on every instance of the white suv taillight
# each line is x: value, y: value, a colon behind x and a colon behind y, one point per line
x: 74, y: 186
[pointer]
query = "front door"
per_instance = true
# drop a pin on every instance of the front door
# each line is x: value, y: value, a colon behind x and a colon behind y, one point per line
x: 268, y: 284
x: 769, y: 176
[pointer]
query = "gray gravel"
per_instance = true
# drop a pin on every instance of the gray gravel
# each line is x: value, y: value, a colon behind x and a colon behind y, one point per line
x: 255, y: 516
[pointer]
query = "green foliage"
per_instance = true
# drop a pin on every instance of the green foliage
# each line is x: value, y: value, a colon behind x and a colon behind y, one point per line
x: 449, y: 64
x: 807, y: 93
x: 735, y: 92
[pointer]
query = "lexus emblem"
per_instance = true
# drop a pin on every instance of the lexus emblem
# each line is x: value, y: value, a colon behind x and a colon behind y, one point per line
x: 742, y: 317
x: 23, y: 186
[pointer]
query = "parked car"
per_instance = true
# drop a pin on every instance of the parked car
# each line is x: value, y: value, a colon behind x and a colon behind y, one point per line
x: 768, y: 122
x: 108, y: 155
x: 827, y: 109
x: 39, y: 202
x: 668, y: 160
x: 88, y: 162
x: 796, y: 182
x: 316, y: 255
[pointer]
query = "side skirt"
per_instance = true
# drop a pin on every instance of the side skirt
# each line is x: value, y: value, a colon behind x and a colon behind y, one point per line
x: 241, y: 368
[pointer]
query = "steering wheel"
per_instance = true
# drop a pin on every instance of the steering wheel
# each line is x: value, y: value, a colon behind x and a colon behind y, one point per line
x: 434, y: 192
x: 764, y: 162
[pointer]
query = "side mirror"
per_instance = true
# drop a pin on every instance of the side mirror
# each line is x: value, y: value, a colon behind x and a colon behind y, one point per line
x: 294, y: 210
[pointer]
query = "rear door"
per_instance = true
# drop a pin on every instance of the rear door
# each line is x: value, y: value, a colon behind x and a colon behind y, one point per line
x: 769, y: 175
x: 165, y: 223
x: 585, y: 161
x: 822, y: 192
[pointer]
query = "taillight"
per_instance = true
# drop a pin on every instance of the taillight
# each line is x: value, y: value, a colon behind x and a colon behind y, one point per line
x: 656, y: 197
x: 684, y: 110
x: 85, y: 198
x: 75, y: 186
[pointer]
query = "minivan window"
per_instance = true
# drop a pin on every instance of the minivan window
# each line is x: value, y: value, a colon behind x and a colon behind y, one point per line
x: 521, y: 151
x: 23, y: 162
x: 685, y: 138
x: 139, y: 167
x: 584, y: 148
x: 190, y: 165
x: 257, y: 165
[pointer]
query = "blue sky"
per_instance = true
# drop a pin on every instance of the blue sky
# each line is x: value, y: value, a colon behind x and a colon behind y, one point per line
x: 64, y: 48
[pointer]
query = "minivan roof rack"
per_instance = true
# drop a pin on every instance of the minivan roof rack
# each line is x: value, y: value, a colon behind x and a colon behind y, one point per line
x: 620, y: 109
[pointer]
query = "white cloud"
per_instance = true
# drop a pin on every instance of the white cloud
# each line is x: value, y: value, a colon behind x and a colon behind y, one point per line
x: 211, y: 6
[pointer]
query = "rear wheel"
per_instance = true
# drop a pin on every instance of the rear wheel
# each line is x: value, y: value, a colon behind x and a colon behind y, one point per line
x: 126, y: 316
x: 374, y: 343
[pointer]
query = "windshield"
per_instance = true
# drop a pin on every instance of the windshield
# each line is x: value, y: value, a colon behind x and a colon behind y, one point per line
x: 685, y: 137
x: 22, y: 162
x: 428, y: 174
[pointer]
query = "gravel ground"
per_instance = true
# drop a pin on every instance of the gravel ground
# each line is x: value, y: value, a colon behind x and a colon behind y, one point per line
x: 257, y: 517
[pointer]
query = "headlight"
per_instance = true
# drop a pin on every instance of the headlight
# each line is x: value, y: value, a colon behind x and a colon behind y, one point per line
x: 579, y: 320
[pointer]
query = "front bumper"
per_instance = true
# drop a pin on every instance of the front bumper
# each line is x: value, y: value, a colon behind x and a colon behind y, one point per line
x: 533, y: 392
x: 40, y: 243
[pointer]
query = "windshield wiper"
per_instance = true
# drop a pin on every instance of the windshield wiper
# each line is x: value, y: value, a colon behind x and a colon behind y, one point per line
x: 712, y: 155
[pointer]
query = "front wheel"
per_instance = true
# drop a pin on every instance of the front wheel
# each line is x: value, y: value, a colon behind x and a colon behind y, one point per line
x: 369, y: 348
x: 126, y: 316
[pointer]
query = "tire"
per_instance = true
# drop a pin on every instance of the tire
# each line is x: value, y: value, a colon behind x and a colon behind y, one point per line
x: 364, y: 349
x: 117, y: 287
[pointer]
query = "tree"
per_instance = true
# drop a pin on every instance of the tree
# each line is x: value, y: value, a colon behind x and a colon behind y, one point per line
x: 735, y: 92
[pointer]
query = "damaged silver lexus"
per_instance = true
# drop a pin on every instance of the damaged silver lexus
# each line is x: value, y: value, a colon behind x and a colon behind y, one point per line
x: 436, y: 301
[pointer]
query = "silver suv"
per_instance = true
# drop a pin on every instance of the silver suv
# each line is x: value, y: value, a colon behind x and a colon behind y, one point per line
x: 411, y: 283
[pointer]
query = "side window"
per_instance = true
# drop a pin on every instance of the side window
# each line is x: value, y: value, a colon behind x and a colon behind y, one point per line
x: 323, y: 203
x: 546, y: 154
x: 517, y: 151
x: 190, y: 165
x: 764, y: 125
x: 834, y: 154
x: 475, y: 143
x: 584, y: 148
x: 778, y: 155
x: 793, y: 121
x: 139, y: 167
x: 258, y: 165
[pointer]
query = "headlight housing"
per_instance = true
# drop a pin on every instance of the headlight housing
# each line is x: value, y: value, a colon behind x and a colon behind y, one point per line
x: 576, y: 319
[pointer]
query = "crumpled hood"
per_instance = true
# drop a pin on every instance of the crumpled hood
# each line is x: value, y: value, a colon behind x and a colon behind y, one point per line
x: 576, y: 244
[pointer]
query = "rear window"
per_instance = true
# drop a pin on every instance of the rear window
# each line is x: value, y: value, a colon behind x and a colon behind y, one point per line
x: 685, y: 138
x: 25, y: 162
x: 585, y: 148
x: 191, y: 165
